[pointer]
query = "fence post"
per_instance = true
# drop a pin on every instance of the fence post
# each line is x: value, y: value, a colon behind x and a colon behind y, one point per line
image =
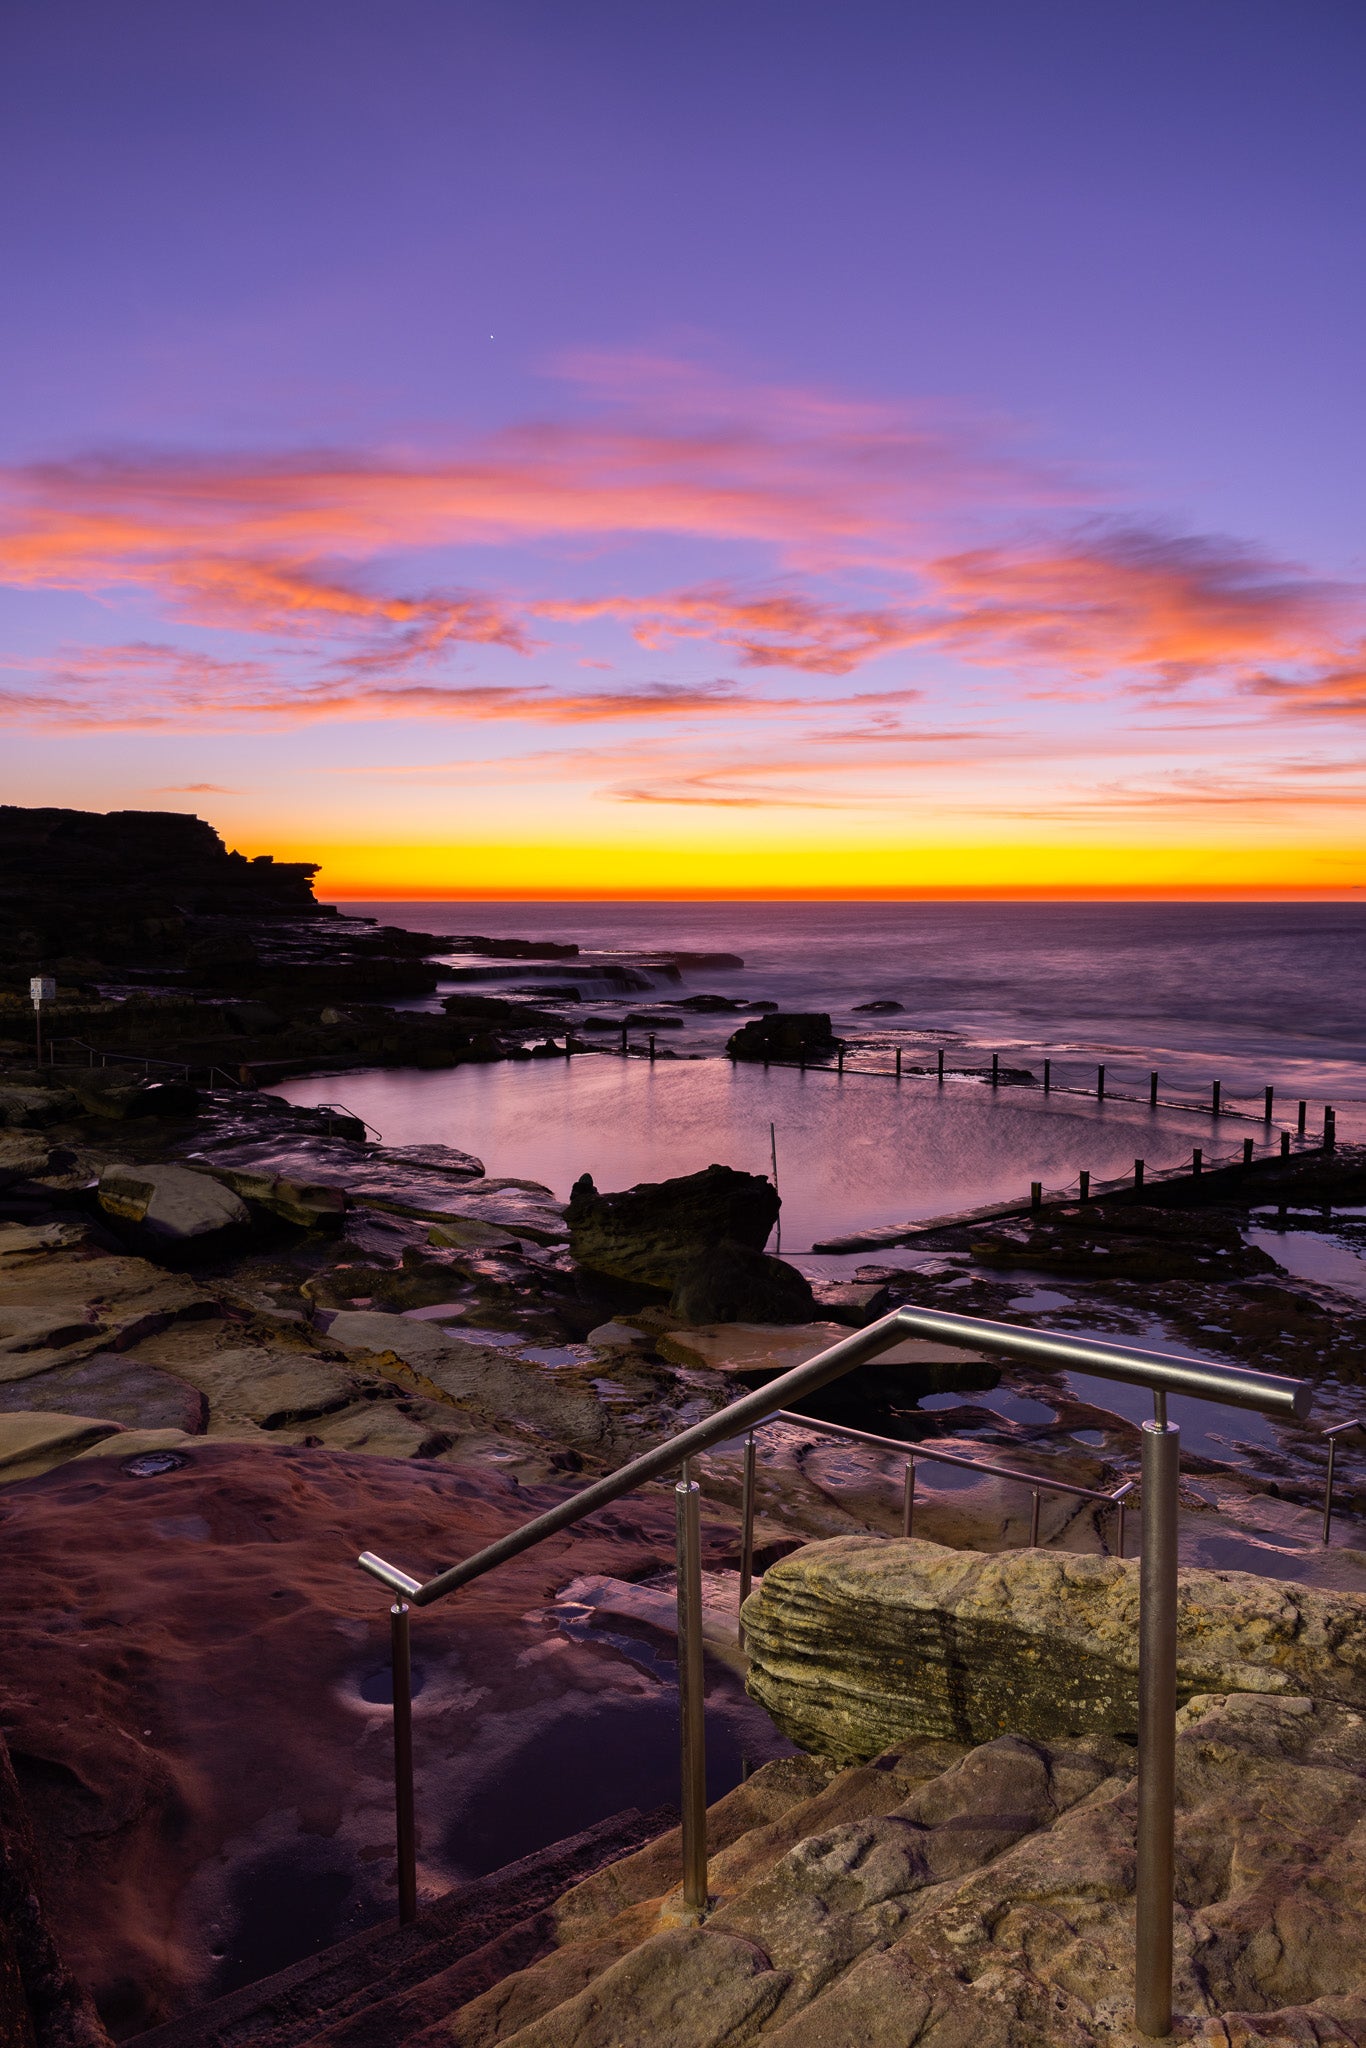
x: 1247, y: 1151
x: 1285, y: 1144
x: 1085, y: 1180
x: 1157, y: 1725
x: 1197, y: 1160
x: 747, y: 1529
x: 692, y: 1731
x: 400, y: 1650
x: 1304, y: 1111
x: 1138, y: 1174
x: 1330, y: 1129
x: 1036, y: 1194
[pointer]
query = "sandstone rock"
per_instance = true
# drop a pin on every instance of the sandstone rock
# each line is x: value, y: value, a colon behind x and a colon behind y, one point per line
x: 732, y: 1283
x: 21, y: 1158
x: 784, y: 1035
x: 31, y: 1108
x: 173, y: 1205
x: 854, y: 1302
x: 310, y: 1205
x: 41, y: 2004
x: 114, y: 1387
x: 984, y: 1900
x: 486, y: 1382
x: 26, y: 1329
x: 649, y: 1233
x: 857, y: 1643
x: 34, y: 1443
x: 273, y: 1388
x: 467, y: 1233
x: 759, y: 1351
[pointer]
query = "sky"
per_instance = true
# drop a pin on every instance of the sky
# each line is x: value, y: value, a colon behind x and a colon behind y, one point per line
x: 756, y: 447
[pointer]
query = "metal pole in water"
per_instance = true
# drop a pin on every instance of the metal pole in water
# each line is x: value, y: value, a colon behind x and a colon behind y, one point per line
x: 623, y: 1040
x: 1214, y: 1098
x: 1197, y: 1160
x: 1285, y: 1144
x: 652, y: 1048
x: 995, y: 1069
x: 1100, y: 1084
x: 1157, y: 1725
x: 692, y: 1732
x: 1304, y: 1111
x: 1138, y: 1174
x: 747, y: 1528
x: 908, y: 1498
x: 1047, y: 1077
x: 1152, y: 1090
x: 1266, y: 1114
x: 773, y: 1154
x: 941, y: 1063
x: 400, y: 1648
x: 840, y: 1062
x: 1085, y: 1179
x: 1330, y: 1129
x: 898, y: 1063
x: 1247, y: 1151
x: 1036, y: 1194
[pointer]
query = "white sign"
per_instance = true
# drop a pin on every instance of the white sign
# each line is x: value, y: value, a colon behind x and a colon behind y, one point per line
x: 42, y: 988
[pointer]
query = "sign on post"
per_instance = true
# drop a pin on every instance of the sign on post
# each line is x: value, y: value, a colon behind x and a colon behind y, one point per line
x: 43, y: 989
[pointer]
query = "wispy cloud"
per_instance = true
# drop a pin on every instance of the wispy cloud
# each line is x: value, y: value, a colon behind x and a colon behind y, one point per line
x: 853, y: 533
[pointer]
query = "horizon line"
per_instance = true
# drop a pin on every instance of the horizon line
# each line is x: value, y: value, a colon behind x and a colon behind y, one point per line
x: 1023, y: 894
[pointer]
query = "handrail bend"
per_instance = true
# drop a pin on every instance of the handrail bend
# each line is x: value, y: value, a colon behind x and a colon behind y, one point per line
x: 1271, y: 1393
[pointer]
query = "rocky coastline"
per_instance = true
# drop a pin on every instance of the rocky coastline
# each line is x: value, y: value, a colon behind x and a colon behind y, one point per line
x: 241, y: 1340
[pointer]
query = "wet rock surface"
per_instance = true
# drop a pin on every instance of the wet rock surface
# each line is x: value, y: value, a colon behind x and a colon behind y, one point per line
x: 784, y: 1035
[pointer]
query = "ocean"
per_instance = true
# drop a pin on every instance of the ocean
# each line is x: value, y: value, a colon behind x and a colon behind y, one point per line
x: 1251, y: 995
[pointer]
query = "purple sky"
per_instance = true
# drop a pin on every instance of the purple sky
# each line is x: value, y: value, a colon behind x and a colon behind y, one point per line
x: 1108, y: 260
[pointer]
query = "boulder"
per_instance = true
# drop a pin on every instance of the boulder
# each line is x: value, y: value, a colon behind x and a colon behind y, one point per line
x: 784, y: 1035
x: 858, y: 1643
x: 884, y: 1007
x: 731, y: 1283
x: 22, y: 1157
x: 651, y: 1233
x: 172, y: 1205
x: 273, y: 1389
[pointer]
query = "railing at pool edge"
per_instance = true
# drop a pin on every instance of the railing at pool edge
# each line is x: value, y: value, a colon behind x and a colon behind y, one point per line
x: 1266, y: 1393
x: 1039, y: 1482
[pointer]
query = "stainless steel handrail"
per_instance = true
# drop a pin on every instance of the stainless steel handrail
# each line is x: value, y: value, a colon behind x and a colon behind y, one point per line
x: 1338, y: 1429
x: 1040, y: 1482
x: 1163, y: 1374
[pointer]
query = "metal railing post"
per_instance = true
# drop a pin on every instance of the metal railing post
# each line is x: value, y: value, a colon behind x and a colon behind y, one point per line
x: 400, y: 1644
x: 1034, y: 1522
x: 1328, y: 1491
x: 747, y: 1528
x: 908, y: 1498
x: 1157, y: 1725
x: 692, y: 1731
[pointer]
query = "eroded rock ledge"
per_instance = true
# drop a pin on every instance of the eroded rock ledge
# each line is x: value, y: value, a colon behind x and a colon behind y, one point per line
x: 857, y: 1643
